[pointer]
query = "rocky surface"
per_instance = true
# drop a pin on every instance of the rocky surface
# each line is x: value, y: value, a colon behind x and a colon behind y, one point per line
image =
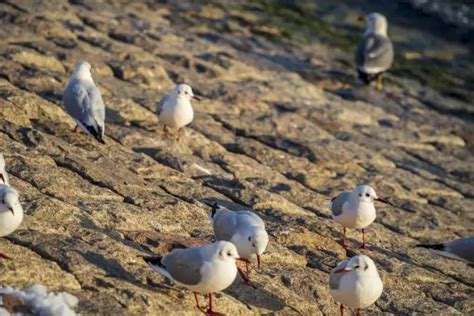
x: 283, y: 127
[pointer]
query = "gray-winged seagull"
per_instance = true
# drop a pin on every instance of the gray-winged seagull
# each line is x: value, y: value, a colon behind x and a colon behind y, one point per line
x: 83, y: 101
x: 205, y: 269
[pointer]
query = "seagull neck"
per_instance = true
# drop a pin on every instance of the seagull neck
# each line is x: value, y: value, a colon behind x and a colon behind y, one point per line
x: 376, y: 31
x: 82, y: 75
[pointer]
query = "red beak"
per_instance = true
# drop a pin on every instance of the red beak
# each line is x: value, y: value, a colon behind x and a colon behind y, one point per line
x: 382, y: 200
x: 343, y: 270
x: 258, y: 261
x: 244, y: 260
x: 196, y: 98
x: 4, y: 256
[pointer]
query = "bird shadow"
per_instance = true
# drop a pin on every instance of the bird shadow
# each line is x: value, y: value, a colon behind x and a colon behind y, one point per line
x: 257, y: 297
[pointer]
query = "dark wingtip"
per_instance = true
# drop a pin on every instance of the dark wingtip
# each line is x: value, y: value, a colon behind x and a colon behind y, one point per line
x: 153, y: 260
x: 100, y: 139
x: 96, y: 133
x: 434, y: 247
x: 215, y: 206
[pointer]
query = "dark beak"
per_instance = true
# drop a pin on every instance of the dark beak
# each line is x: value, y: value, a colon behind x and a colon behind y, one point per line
x: 382, y: 200
x: 1, y: 177
x: 258, y: 261
x: 343, y: 270
x: 11, y: 210
x: 196, y: 98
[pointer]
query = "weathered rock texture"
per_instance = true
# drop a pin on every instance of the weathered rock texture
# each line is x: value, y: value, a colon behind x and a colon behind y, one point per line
x: 283, y: 127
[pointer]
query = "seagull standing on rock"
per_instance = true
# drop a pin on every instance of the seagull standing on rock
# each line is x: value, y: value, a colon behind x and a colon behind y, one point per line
x: 175, y: 109
x: 11, y: 212
x: 205, y: 269
x: 355, y: 209
x: 3, y: 171
x: 245, y: 229
x: 83, y: 101
x: 356, y: 283
x: 374, y: 54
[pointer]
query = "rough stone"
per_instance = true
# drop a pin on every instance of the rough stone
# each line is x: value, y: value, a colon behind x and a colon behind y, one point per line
x: 283, y: 127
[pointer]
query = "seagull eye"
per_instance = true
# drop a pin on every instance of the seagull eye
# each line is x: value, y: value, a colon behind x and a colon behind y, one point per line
x: 250, y: 238
x: 360, y: 194
x: 367, y: 194
x: 229, y: 253
x: 253, y: 245
x: 357, y: 267
x: 186, y: 92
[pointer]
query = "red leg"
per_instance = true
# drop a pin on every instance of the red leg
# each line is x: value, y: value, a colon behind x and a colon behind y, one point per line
x: 341, y: 308
x: 197, y: 301
x: 247, y: 268
x: 246, y: 278
x: 178, y: 135
x: 210, y: 311
x: 364, y: 245
x: 4, y: 256
x: 76, y: 129
x: 344, y: 242
x: 358, y: 312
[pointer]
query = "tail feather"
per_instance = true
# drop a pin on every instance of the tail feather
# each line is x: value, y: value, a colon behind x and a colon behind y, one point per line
x: 156, y: 261
x: 215, y: 207
x: 155, y: 264
x: 439, y: 247
x: 96, y: 133
x: 365, y: 77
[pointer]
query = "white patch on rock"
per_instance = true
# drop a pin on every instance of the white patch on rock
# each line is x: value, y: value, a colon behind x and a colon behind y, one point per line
x: 41, y: 302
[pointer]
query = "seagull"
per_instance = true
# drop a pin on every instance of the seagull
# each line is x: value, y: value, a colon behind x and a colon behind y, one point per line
x: 83, y: 101
x: 205, y: 269
x: 3, y: 171
x: 11, y: 212
x: 460, y: 249
x: 175, y: 109
x: 374, y: 55
x: 245, y: 229
x: 355, y: 209
x: 356, y: 283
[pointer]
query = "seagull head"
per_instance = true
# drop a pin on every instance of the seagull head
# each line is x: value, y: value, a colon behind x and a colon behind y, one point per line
x: 259, y: 242
x: 251, y: 240
x: 10, y: 201
x: 82, y: 71
x: 365, y: 193
x: 226, y: 251
x: 376, y: 23
x: 185, y: 91
x: 359, y: 264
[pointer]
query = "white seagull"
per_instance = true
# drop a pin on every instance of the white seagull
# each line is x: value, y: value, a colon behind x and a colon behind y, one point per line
x: 356, y: 283
x: 3, y: 171
x: 175, y: 109
x: 11, y: 212
x: 205, y: 269
x: 245, y: 229
x: 374, y: 54
x: 83, y: 101
x: 355, y: 209
x: 459, y: 249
